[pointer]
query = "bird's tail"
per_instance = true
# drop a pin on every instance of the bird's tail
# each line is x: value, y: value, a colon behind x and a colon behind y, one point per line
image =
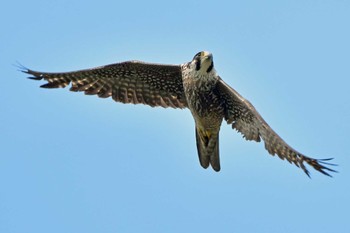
x: 208, y: 149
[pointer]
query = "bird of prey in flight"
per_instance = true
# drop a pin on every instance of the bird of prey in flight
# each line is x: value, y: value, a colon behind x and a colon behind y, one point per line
x: 194, y: 85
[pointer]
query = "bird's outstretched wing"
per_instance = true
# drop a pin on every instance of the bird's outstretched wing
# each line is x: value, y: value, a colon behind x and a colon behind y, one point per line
x: 245, y: 119
x: 127, y: 82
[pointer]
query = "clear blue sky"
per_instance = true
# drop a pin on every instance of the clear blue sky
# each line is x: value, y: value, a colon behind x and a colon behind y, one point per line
x: 75, y: 163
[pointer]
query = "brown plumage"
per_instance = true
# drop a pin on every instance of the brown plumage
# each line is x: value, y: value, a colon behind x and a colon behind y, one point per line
x: 194, y: 85
x: 127, y: 82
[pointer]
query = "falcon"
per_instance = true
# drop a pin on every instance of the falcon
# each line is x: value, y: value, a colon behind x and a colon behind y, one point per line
x: 194, y: 85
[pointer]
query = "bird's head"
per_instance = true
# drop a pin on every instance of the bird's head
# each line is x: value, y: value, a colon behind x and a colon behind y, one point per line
x: 203, y: 61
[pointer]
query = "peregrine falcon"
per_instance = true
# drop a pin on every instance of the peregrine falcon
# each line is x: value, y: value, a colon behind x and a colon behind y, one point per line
x: 194, y: 85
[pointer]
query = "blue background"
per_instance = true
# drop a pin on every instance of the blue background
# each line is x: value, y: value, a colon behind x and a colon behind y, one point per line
x: 76, y: 163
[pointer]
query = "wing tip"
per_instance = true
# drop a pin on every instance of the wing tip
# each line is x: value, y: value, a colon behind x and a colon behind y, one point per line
x: 319, y: 165
x: 24, y: 69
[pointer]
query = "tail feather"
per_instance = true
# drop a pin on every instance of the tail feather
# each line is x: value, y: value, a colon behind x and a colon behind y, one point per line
x: 203, y: 158
x: 208, y: 150
x: 214, y: 157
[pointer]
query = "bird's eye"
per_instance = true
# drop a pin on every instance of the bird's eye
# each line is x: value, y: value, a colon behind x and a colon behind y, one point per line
x: 197, y: 55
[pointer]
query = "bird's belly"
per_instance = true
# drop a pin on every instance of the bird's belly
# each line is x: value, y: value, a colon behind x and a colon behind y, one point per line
x: 207, y: 110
